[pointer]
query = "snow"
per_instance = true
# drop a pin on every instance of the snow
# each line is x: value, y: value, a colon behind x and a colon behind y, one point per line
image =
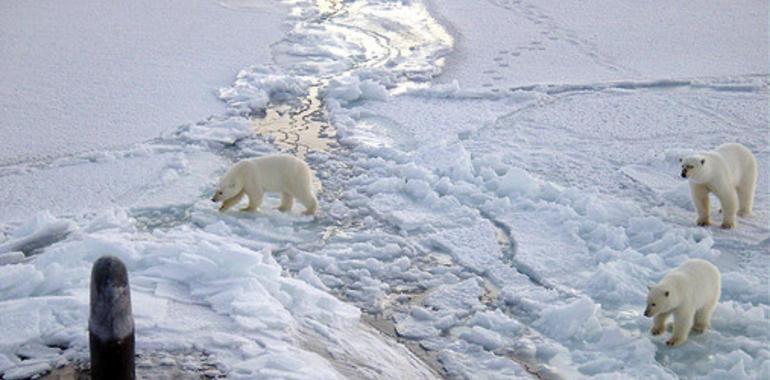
x: 648, y: 40
x: 11, y: 257
x: 553, y: 42
x: 43, y: 230
x: 349, y: 89
x: 255, y: 87
x: 92, y: 75
x: 501, y: 189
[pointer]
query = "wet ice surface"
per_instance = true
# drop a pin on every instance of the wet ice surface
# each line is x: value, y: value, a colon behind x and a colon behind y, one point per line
x: 471, y: 227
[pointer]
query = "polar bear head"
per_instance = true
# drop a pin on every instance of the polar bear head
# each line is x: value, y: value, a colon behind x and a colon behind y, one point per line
x: 660, y: 299
x: 694, y: 168
x: 230, y: 185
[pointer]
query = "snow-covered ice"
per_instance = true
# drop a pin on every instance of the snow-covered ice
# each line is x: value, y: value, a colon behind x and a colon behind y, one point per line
x: 500, y: 187
x: 94, y: 75
x: 88, y: 76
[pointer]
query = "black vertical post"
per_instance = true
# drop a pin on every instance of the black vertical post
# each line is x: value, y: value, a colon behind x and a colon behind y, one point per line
x: 111, y: 325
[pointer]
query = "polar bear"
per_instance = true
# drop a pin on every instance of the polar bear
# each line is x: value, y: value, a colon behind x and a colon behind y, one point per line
x: 690, y: 292
x: 730, y: 172
x: 287, y: 175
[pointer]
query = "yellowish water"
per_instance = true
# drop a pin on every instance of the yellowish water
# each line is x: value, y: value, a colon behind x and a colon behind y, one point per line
x: 298, y: 130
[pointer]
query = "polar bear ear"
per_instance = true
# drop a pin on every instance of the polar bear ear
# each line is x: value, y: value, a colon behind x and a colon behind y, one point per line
x: 649, y: 287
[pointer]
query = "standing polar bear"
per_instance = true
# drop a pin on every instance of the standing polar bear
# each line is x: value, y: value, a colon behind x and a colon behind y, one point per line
x: 690, y: 292
x: 287, y: 175
x: 730, y: 172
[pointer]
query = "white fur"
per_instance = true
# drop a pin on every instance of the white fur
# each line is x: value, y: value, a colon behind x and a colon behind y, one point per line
x: 730, y: 172
x: 287, y: 175
x: 690, y: 292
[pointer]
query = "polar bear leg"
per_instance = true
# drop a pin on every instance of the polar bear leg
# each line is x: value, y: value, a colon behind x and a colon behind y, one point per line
x: 306, y: 197
x: 683, y: 319
x: 703, y: 317
x: 700, y: 198
x: 659, y: 323
x: 287, y: 202
x: 746, y: 192
x: 255, y: 200
x: 231, y: 202
x: 729, y: 200
x: 745, y: 200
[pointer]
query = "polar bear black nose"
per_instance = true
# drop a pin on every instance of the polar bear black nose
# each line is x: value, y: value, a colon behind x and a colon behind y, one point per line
x: 684, y: 173
x: 213, y: 200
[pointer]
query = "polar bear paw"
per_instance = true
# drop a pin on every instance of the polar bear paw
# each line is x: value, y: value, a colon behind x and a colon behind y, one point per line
x: 728, y: 225
x: 674, y: 341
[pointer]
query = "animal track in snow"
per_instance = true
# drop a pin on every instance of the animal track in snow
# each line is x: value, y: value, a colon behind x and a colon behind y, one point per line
x: 554, y: 32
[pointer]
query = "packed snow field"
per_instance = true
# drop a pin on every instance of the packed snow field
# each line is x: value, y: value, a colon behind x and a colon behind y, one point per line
x: 500, y: 187
x: 67, y: 74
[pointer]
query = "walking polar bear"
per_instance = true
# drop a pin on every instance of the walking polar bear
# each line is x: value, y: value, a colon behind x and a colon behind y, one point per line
x: 690, y: 292
x: 287, y: 175
x: 730, y: 172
